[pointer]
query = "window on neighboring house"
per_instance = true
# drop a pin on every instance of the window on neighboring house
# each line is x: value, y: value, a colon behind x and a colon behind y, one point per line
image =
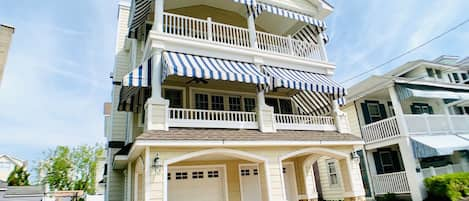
x: 249, y: 104
x: 458, y: 110
x: 218, y: 103
x: 464, y: 76
x: 332, y: 169
x: 456, y: 78
x: 450, y: 78
x: 430, y: 72
x: 386, y: 161
x: 374, y: 111
x: 201, y: 101
x: 421, y: 108
x: 174, y: 96
x: 234, y: 103
x: 438, y: 73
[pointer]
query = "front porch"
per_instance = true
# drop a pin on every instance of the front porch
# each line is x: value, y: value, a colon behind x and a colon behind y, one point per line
x: 247, y: 174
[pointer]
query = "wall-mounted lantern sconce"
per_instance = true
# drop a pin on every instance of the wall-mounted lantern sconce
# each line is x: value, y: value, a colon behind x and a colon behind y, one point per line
x: 157, y: 162
x: 354, y: 155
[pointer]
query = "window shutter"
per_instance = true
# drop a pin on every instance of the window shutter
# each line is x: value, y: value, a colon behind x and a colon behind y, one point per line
x: 395, y: 161
x: 366, y: 114
x: 382, y: 111
x: 379, y: 168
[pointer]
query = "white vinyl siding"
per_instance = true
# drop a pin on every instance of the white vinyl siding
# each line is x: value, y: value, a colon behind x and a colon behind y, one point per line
x: 330, y: 192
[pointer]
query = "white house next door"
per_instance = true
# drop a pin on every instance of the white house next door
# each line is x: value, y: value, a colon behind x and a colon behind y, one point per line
x: 250, y: 183
x: 196, y: 184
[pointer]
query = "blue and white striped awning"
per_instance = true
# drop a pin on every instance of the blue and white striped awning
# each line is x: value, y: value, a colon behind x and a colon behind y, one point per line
x: 188, y: 65
x: 138, y: 13
x: 301, y: 80
x: 291, y: 14
x: 308, y: 33
x: 140, y: 76
x: 246, y: 2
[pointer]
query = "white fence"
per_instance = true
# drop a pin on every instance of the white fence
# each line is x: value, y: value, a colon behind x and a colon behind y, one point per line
x: 191, y: 118
x: 236, y: 36
x: 391, y: 183
x: 434, y: 171
x: 437, y: 124
x: 304, y: 122
x: 381, y: 130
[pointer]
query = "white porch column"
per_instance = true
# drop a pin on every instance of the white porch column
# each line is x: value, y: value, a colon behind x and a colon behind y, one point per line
x: 129, y: 182
x: 351, y: 177
x: 147, y: 176
x: 156, y: 108
x: 341, y: 119
x: 252, y: 29
x: 322, y: 46
x: 415, y: 180
x: 265, y: 113
x: 158, y: 16
x: 310, y: 182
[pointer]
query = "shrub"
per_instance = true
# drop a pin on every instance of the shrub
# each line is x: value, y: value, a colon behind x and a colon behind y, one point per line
x: 389, y: 197
x: 448, y: 187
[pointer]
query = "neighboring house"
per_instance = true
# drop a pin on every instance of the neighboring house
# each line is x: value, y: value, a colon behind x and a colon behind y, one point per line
x: 227, y: 100
x: 6, y: 33
x: 7, y: 164
x: 415, y: 123
x: 23, y: 193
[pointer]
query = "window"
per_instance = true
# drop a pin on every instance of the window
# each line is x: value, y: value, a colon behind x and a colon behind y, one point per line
x: 274, y: 103
x: 235, y: 103
x: 212, y: 174
x: 464, y: 76
x: 255, y: 172
x: 201, y: 101
x: 456, y: 78
x: 438, y: 73
x: 430, y: 72
x: 282, y: 106
x: 197, y: 175
x: 421, y: 108
x: 285, y: 106
x: 386, y: 161
x: 174, y: 96
x: 391, y: 109
x: 218, y: 103
x: 245, y: 172
x: 450, y: 78
x: 249, y: 104
x: 333, y: 178
x: 169, y: 176
x: 374, y: 111
x: 181, y: 175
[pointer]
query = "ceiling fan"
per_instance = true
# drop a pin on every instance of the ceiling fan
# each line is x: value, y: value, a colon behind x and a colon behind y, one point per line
x: 197, y: 81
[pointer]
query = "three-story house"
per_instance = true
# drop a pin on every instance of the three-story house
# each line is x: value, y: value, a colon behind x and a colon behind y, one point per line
x: 415, y: 123
x: 227, y: 100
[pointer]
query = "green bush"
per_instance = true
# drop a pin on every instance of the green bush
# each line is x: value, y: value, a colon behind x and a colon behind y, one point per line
x: 448, y: 187
x: 389, y: 197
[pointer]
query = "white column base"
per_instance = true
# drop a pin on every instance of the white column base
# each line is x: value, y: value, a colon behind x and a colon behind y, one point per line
x: 266, y: 119
x: 156, y: 114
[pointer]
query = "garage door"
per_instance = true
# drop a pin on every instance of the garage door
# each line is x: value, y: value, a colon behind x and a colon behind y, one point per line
x: 196, y: 184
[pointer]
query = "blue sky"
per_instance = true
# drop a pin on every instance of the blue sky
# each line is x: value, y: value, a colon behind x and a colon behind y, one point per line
x: 56, y: 78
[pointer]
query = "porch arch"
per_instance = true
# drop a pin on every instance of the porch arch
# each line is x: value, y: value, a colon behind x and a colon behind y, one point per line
x: 223, y: 151
x: 314, y: 150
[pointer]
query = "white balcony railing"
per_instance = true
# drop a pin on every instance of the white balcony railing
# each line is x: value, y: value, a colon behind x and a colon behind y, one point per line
x: 191, y: 118
x: 391, y: 183
x: 421, y: 124
x: 304, y: 122
x: 189, y: 27
x: 381, y: 130
x: 435, y: 171
x: 436, y: 124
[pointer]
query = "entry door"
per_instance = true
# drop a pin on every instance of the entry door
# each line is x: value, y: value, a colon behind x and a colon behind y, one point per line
x: 196, y: 184
x: 290, y: 182
x: 250, y: 183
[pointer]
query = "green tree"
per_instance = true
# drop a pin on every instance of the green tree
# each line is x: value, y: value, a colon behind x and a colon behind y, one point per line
x: 18, y: 177
x: 71, y: 168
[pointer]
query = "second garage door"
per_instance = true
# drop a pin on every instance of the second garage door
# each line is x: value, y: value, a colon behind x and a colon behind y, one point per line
x: 196, y: 184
